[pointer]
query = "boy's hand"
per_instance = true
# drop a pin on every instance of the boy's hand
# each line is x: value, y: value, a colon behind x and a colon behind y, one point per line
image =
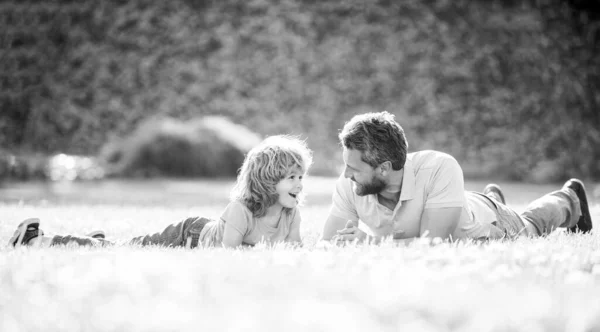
x: 350, y: 233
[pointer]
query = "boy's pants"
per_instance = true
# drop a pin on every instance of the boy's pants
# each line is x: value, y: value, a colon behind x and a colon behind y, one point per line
x: 183, y: 234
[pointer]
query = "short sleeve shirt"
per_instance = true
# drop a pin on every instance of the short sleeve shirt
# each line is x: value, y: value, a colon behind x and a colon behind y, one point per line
x: 431, y: 179
x: 239, y: 218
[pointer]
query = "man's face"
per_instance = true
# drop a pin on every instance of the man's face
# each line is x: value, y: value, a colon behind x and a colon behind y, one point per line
x: 365, y: 178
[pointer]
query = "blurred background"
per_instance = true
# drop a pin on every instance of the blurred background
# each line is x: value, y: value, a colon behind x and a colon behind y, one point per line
x: 183, y: 88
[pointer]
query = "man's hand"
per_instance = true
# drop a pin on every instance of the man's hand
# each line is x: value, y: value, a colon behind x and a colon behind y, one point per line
x: 350, y: 233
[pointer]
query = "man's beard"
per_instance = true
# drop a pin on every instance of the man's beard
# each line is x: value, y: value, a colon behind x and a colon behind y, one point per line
x: 374, y: 187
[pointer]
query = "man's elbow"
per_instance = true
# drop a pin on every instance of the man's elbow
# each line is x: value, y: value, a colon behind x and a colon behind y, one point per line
x: 444, y: 233
x: 328, y: 233
x: 432, y: 235
x: 325, y: 239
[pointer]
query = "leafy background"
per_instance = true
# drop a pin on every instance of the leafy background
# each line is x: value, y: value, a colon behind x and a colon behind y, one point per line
x: 508, y: 87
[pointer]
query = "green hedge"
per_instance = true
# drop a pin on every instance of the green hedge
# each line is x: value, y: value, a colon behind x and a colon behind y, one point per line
x: 204, y: 147
x: 508, y: 87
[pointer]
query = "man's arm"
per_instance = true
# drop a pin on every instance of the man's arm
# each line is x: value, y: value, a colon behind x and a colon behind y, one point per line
x: 332, y: 225
x: 435, y: 222
x: 342, y: 204
x: 440, y: 222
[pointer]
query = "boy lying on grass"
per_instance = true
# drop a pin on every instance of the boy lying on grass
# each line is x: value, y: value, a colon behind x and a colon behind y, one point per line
x: 264, y: 207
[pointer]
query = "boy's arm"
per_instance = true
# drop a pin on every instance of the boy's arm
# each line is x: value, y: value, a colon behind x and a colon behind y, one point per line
x: 232, y: 238
x: 294, y: 235
x: 237, y: 219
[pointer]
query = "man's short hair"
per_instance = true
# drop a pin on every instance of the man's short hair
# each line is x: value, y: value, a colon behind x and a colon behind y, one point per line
x: 378, y: 136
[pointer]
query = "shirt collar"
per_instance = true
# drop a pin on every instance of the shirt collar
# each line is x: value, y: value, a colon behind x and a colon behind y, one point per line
x: 408, y: 181
x: 408, y: 184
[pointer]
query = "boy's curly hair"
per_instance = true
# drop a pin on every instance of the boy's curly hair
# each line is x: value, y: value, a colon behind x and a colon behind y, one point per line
x: 264, y: 166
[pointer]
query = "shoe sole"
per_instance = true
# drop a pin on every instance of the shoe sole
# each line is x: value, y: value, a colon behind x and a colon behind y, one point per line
x: 97, y: 235
x: 586, y: 219
x: 17, y: 239
x: 492, y: 187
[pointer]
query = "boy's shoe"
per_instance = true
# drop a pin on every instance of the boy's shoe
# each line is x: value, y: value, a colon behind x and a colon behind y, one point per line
x: 585, y: 221
x: 493, y: 190
x: 97, y: 235
x: 27, y: 230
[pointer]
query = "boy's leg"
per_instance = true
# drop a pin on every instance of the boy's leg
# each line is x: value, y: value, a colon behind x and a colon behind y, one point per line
x: 566, y: 207
x: 29, y: 233
x: 86, y: 241
x: 27, y: 230
x: 185, y: 233
x: 97, y: 234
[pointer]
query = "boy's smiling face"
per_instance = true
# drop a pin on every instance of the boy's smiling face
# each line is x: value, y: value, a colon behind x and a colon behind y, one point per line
x: 289, y: 188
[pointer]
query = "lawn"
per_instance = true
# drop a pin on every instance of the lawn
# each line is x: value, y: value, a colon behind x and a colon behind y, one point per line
x: 547, y: 284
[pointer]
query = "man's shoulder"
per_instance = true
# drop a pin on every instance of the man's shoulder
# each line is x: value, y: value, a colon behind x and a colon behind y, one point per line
x: 428, y: 159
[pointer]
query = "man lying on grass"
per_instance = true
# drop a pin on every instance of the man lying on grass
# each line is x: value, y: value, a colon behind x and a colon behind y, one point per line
x: 264, y: 206
x: 406, y: 196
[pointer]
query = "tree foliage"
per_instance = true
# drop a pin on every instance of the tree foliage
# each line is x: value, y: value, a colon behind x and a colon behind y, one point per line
x: 508, y: 87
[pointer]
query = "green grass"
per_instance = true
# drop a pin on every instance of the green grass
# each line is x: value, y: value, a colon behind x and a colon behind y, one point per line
x: 546, y: 284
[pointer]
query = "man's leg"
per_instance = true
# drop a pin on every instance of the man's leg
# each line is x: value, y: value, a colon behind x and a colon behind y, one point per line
x: 185, y: 233
x: 506, y: 219
x: 566, y: 207
x: 494, y: 191
x: 584, y: 224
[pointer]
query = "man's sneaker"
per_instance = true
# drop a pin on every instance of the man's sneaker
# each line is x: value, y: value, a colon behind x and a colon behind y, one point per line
x: 97, y: 235
x: 585, y: 221
x: 493, y: 190
x: 27, y: 230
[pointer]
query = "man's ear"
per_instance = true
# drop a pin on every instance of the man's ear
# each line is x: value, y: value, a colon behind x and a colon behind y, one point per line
x: 385, y: 167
